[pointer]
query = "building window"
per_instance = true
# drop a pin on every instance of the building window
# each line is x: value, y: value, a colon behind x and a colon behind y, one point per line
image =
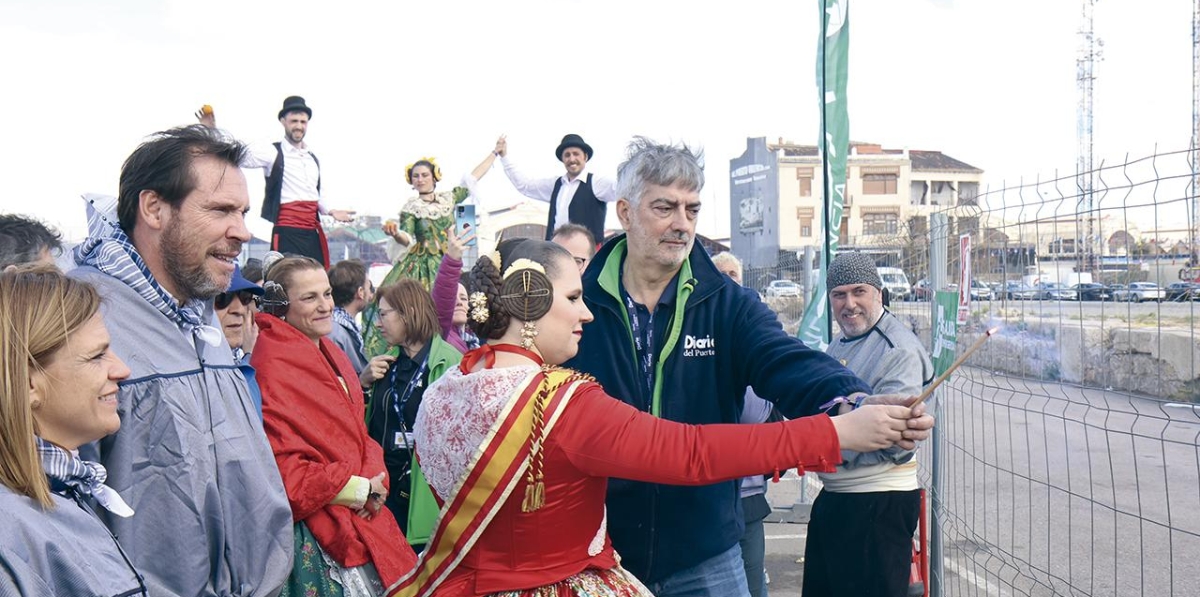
x: 805, y: 186
x: 879, y: 184
x: 874, y: 224
x: 804, y: 215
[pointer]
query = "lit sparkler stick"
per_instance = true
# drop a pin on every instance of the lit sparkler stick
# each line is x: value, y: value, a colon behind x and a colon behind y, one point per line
x: 943, y: 377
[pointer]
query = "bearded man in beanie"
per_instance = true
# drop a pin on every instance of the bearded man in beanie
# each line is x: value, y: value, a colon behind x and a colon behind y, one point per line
x: 860, y: 533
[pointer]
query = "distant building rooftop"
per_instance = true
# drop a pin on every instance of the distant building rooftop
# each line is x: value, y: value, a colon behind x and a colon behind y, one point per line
x: 922, y: 160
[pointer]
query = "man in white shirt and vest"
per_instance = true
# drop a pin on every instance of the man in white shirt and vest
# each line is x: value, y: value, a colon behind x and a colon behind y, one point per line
x: 293, y: 193
x: 577, y: 197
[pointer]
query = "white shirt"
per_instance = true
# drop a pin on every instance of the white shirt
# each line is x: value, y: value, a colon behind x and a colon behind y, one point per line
x: 300, y: 171
x: 604, y: 188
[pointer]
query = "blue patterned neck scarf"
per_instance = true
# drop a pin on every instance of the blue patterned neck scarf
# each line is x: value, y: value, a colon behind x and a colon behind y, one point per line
x: 65, y: 470
x: 110, y: 250
x: 343, y: 318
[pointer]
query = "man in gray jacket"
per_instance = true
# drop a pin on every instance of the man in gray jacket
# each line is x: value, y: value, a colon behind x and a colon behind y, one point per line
x: 191, y: 458
x: 862, y: 523
x: 352, y: 292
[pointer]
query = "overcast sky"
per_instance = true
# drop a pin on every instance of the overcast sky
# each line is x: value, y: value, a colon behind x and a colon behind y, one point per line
x: 990, y: 82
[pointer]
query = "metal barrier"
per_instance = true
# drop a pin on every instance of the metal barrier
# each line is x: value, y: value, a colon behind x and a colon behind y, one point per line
x: 1067, y: 452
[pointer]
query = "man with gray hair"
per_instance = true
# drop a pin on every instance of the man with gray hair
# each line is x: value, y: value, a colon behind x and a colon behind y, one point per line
x: 869, y: 507
x: 191, y: 457
x: 26, y: 240
x: 675, y: 337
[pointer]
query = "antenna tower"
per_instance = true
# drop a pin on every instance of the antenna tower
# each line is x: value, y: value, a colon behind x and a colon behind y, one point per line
x: 1087, y: 237
x: 1195, y: 139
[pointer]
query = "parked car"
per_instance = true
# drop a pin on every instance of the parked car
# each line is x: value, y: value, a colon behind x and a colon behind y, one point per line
x: 896, y: 282
x: 1140, y: 291
x: 1090, y: 291
x: 921, y: 291
x: 980, y: 291
x: 1016, y: 291
x: 782, y: 288
x: 1183, y: 291
x: 1053, y: 291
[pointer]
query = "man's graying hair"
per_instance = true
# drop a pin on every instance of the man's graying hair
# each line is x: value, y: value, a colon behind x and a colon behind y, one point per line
x: 665, y: 165
x: 23, y: 239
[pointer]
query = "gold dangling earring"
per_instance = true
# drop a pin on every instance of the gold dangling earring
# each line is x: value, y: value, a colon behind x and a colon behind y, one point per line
x: 529, y: 331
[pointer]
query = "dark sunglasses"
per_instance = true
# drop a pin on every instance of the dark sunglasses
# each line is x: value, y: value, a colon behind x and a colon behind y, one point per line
x: 245, y: 296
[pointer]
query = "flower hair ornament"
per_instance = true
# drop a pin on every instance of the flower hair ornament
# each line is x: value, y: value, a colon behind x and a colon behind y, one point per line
x: 527, y: 295
x: 479, y: 308
x: 437, y: 170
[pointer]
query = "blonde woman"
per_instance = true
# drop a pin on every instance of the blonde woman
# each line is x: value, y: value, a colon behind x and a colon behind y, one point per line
x: 59, y: 391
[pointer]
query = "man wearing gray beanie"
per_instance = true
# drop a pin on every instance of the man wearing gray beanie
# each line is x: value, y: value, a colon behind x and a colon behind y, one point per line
x: 860, y: 531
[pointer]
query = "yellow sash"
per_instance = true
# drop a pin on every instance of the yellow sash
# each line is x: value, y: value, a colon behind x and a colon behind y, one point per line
x: 495, y: 470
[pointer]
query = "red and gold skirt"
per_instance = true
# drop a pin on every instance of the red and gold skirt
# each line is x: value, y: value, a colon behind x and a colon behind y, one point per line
x: 613, y: 582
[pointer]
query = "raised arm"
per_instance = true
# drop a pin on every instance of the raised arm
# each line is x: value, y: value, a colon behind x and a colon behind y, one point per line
x: 259, y: 155
x: 445, y: 286
x: 539, y: 189
x: 471, y: 179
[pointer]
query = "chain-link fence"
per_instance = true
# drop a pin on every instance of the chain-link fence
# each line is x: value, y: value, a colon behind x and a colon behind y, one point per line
x: 1068, y: 450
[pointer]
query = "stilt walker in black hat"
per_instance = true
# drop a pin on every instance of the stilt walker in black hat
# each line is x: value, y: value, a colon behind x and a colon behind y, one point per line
x: 577, y: 197
x: 293, y: 192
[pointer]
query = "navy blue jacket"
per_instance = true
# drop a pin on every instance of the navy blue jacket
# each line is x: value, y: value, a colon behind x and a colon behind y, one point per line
x: 721, y: 339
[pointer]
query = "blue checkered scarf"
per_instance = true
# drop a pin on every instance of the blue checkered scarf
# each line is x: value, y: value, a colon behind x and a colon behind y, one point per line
x: 343, y: 318
x: 65, y: 469
x: 110, y: 250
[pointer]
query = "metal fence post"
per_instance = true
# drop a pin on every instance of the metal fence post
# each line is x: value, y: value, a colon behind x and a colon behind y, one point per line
x: 939, y: 237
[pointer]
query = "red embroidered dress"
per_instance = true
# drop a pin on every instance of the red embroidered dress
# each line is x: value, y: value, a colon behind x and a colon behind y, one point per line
x: 563, y: 548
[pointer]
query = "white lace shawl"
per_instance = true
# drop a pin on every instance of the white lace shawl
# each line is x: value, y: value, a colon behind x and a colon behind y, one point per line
x: 456, y: 414
x: 432, y: 210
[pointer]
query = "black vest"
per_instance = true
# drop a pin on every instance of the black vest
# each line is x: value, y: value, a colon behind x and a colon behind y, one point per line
x: 585, y: 210
x: 270, y: 206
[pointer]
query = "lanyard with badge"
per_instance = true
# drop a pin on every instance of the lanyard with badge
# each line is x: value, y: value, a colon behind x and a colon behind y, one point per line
x: 645, y: 350
x: 403, y: 437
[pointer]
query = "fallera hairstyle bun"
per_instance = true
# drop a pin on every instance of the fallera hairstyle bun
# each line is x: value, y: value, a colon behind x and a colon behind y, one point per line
x: 526, y: 294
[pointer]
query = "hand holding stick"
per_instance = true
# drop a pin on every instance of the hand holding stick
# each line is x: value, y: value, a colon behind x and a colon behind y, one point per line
x: 943, y: 377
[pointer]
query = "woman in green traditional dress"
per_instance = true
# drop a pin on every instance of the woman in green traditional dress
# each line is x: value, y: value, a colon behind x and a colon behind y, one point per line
x: 422, y: 227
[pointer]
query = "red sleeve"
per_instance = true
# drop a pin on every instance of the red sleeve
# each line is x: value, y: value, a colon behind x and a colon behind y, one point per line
x: 605, y: 437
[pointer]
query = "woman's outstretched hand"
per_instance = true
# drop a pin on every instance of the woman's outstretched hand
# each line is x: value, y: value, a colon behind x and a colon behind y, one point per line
x: 872, y: 427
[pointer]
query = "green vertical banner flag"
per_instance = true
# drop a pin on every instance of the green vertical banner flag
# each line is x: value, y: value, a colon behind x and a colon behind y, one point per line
x: 833, y: 58
x: 944, y: 336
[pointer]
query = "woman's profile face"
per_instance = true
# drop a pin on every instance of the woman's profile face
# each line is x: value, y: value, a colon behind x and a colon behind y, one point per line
x: 422, y: 179
x: 310, y: 303
x: 75, y: 395
x: 560, y: 329
x: 391, y: 323
x: 460, y: 307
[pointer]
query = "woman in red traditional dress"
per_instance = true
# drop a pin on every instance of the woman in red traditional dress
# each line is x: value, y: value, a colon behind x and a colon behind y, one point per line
x: 519, y: 451
x: 346, y: 541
